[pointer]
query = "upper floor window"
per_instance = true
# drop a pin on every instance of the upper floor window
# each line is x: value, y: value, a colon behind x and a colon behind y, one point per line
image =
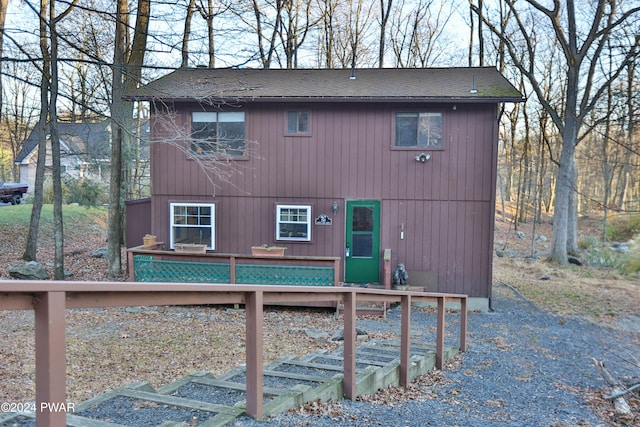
x: 193, y: 223
x: 419, y: 129
x: 293, y: 222
x: 218, y: 133
x: 298, y: 122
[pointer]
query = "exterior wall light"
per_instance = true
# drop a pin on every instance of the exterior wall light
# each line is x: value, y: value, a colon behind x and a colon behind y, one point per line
x: 423, y: 157
x: 334, y: 207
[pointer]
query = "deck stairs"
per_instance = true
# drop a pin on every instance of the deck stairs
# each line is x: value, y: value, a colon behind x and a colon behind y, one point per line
x: 200, y: 399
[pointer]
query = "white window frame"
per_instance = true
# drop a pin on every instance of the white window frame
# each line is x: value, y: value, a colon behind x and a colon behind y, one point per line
x: 211, y: 226
x: 219, y: 146
x: 308, y: 222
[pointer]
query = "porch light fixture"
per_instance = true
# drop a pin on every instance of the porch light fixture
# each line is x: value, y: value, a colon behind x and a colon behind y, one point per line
x: 423, y: 157
x: 334, y: 207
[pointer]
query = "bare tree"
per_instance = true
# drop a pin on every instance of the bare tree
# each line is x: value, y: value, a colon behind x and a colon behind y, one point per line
x: 208, y: 13
x: 3, y: 14
x: 328, y: 14
x: 187, y: 33
x: 295, y: 23
x: 385, y: 11
x: 419, y: 35
x: 581, y: 54
x: 30, y: 253
x: 127, y: 75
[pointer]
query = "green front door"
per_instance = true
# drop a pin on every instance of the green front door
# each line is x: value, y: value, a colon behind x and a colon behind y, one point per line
x: 362, y: 251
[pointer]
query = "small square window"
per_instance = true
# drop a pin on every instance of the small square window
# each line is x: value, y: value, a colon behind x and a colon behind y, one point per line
x: 298, y: 122
x: 293, y: 222
x: 419, y: 129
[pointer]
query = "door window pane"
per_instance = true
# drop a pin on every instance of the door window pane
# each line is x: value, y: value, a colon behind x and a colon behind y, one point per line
x: 362, y: 245
x: 362, y: 218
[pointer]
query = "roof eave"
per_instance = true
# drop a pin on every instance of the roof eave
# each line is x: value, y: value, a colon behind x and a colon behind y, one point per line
x: 368, y: 99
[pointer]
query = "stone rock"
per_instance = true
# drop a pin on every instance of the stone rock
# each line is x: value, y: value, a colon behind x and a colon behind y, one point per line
x: 30, y: 270
x: 505, y: 254
x: 339, y: 335
x: 520, y: 235
x: 100, y: 253
x: 315, y: 333
x: 545, y: 277
x: 541, y: 238
x: 622, y: 247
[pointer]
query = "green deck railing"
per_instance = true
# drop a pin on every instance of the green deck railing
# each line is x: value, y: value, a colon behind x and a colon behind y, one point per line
x: 148, y: 269
x: 168, y: 266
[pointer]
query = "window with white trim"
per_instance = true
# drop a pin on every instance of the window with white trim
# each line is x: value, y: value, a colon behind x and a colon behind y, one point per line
x: 293, y: 222
x: 193, y: 223
x: 218, y: 133
x: 419, y: 129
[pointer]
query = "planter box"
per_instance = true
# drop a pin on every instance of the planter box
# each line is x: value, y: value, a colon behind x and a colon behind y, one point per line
x: 191, y: 248
x: 274, y: 251
x: 149, y: 240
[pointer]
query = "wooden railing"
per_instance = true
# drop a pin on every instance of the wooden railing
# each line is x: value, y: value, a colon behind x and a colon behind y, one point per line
x: 50, y: 300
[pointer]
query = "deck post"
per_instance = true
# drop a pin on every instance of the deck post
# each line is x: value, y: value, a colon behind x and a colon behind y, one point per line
x: 463, y: 324
x: 131, y: 266
x: 440, y: 332
x: 405, y: 341
x: 232, y: 270
x: 255, y: 355
x: 51, y: 369
x: 349, y: 380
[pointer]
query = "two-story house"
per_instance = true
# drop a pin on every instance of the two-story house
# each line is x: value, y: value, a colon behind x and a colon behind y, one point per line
x: 333, y: 162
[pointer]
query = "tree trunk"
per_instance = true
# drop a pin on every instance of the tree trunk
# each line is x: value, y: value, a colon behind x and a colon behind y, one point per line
x: 3, y: 14
x: 117, y: 118
x: 122, y: 118
x: 31, y: 249
x: 58, y: 225
x: 187, y: 34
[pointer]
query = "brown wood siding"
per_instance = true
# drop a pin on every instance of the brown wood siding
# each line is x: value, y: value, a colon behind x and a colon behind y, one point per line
x: 445, y: 203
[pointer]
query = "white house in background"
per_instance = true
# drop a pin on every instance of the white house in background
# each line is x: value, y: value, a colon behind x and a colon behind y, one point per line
x: 85, y: 150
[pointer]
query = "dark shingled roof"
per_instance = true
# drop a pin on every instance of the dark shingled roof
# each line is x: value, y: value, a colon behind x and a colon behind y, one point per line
x: 87, y: 140
x: 373, y: 84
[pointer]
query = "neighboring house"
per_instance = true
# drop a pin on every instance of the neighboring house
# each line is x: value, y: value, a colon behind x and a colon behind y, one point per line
x: 84, y: 152
x: 346, y: 164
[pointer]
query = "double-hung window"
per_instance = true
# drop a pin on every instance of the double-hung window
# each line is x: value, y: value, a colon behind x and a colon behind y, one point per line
x: 218, y: 133
x: 298, y: 122
x: 193, y: 223
x: 419, y: 129
x: 293, y: 222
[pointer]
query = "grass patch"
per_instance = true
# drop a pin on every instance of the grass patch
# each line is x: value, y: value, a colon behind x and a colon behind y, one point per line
x: 76, y: 219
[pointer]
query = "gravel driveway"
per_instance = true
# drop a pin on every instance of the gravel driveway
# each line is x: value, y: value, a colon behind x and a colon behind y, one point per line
x: 523, y: 367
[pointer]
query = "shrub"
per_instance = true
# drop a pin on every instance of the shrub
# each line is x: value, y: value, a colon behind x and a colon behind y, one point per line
x: 82, y: 191
x: 623, y: 227
x: 85, y: 192
x: 630, y: 262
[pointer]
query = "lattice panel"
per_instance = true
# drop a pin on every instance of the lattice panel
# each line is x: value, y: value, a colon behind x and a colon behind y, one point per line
x: 148, y: 269
x: 284, y: 275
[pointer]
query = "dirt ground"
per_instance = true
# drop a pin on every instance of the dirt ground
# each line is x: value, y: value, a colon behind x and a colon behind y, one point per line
x: 109, y: 348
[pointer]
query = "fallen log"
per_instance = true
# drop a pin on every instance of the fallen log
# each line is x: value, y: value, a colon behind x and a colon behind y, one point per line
x: 621, y: 407
x: 623, y: 392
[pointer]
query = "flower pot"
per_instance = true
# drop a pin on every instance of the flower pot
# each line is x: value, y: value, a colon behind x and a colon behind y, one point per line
x: 274, y: 251
x: 191, y: 248
x: 149, y: 240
